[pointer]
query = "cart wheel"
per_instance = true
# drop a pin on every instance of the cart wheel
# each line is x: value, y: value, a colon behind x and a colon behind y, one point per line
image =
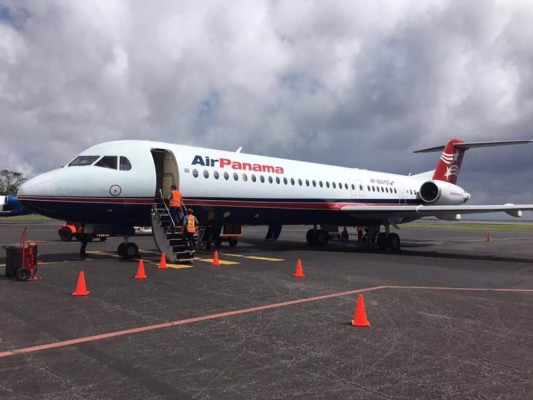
x: 22, y: 274
x: 103, y: 238
x: 233, y: 242
x: 65, y: 234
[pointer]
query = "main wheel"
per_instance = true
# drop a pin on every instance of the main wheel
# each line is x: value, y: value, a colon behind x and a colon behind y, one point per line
x: 65, y: 234
x: 131, y: 250
x: 381, y: 241
x: 393, y: 242
x: 120, y: 249
x: 321, y: 237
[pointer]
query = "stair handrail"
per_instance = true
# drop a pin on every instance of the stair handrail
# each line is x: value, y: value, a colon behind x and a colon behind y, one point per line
x: 168, y: 210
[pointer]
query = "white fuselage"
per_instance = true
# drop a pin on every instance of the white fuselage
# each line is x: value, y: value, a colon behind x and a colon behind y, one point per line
x: 223, y: 187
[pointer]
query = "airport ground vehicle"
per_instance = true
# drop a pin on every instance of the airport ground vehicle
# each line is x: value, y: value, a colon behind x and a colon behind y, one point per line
x: 73, y: 230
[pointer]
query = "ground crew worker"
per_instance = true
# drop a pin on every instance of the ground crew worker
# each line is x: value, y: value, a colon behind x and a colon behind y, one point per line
x: 360, y: 233
x: 84, y: 240
x: 175, y: 204
x: 189, y: 227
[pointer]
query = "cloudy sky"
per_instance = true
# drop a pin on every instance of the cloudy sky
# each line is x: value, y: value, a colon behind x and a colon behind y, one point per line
x: 351, y: 83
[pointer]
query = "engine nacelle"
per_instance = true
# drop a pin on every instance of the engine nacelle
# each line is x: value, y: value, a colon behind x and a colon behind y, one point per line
x: 442, y: 193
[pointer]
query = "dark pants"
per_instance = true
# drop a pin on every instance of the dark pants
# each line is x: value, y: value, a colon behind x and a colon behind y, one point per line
x: 176, y: 213
x: 189, y: 237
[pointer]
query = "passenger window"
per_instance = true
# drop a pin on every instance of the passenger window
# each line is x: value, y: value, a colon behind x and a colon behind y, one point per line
x: 216, y: 174
x: 320, y: 183
x: 270, y: 179
x: 360, y: 187
x: 285, y: 181
x: 195, y: 173
x: 83, y: 161
x: 125, y: 164
x: 307, y: 182
x: 245, y: 177
x: 278, y: 180
x: 236, y: 176
x: 334, y: 185
x: 107, y: 162
x: 327, y: 184
x: 292, y: 181
x: 253, y: 178
x: 300, y: 182
x: 262, y: 178
x: 226, y: 176
x: 314, y: 183
x: 206, y: 174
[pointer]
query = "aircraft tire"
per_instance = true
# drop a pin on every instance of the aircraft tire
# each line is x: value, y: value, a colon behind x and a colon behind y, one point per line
x: 131, y: 250
x: 393, y: 242
x: 321, y: 237
x: 310, y: 236
x: 233, y: 242
x: 381, y: 241
x: 120, y: 249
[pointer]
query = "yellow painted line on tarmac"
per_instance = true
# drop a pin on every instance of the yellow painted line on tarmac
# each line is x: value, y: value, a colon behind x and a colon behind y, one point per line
x: 255, y: 257
x: 103, y: 253
x: 222, y: 262
x: 179, y: 266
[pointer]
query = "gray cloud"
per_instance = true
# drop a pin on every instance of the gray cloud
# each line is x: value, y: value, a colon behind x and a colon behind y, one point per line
x: 350, y: 83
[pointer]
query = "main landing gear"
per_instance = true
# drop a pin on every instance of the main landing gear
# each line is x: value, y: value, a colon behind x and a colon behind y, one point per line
x: 127, y: 249
x: 383, y: 240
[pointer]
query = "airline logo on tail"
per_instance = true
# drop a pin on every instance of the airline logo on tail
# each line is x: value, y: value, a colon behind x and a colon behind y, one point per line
x: 450, y: 162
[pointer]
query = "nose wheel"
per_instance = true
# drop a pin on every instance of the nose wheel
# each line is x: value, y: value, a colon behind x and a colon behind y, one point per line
x: 128, y: 250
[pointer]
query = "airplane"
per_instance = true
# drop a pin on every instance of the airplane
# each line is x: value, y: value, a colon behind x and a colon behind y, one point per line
x: 118, y: 185
x: 11, y: 207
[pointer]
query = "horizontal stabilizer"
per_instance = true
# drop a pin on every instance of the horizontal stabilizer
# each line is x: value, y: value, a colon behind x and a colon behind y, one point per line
x: 471, y: 145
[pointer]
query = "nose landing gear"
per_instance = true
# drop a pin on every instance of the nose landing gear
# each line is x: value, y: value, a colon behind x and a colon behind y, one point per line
x: 127, y: 249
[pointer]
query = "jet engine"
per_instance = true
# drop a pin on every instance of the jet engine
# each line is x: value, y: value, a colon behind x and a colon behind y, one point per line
x: 442, y: 193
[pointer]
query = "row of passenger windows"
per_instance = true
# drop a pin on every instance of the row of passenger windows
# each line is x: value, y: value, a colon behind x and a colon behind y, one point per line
x: 300, y: 182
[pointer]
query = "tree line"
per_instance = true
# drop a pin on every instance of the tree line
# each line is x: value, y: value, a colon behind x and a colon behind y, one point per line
x: 10, y: 181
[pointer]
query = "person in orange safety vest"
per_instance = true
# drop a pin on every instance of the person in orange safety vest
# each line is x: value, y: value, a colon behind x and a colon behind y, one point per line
x: 175, y: 204
x: 189, y: 227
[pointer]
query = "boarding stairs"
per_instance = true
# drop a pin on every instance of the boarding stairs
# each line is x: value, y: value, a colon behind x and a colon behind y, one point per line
x: 167, y: 234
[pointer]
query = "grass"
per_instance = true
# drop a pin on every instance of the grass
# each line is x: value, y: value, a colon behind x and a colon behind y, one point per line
x: 521, y: 227
x: 27, y: 218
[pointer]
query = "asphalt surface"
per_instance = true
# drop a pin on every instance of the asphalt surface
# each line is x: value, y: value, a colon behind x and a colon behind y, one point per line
x: 451, y: 318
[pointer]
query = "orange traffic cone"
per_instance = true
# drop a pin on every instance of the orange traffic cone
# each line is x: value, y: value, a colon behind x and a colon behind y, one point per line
x: 489, y: 237
x: 359, y: 318
x: 163, y: 262
x: 216, y: 261
x: 140, y: 271
x: 299, y: 273
x: 81, y: 289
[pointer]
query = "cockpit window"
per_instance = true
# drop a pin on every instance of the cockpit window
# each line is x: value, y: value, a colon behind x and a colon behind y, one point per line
x: 107, y: 162
x: 82, y: 161
x: 125, y: 164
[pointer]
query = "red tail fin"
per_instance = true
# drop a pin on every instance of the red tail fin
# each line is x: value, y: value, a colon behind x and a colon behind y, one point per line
x: 450, y: 162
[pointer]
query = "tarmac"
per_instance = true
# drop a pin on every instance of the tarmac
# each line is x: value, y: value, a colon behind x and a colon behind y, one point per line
x: 451, y: 318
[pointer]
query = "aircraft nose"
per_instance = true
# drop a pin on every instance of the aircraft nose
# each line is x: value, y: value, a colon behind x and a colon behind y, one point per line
x: 41, y: 186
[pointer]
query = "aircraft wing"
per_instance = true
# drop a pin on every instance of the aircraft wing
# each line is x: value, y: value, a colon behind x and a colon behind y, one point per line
x: 406, y: 211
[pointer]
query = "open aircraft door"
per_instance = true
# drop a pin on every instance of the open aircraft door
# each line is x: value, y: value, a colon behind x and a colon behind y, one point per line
x: 166, y: 169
